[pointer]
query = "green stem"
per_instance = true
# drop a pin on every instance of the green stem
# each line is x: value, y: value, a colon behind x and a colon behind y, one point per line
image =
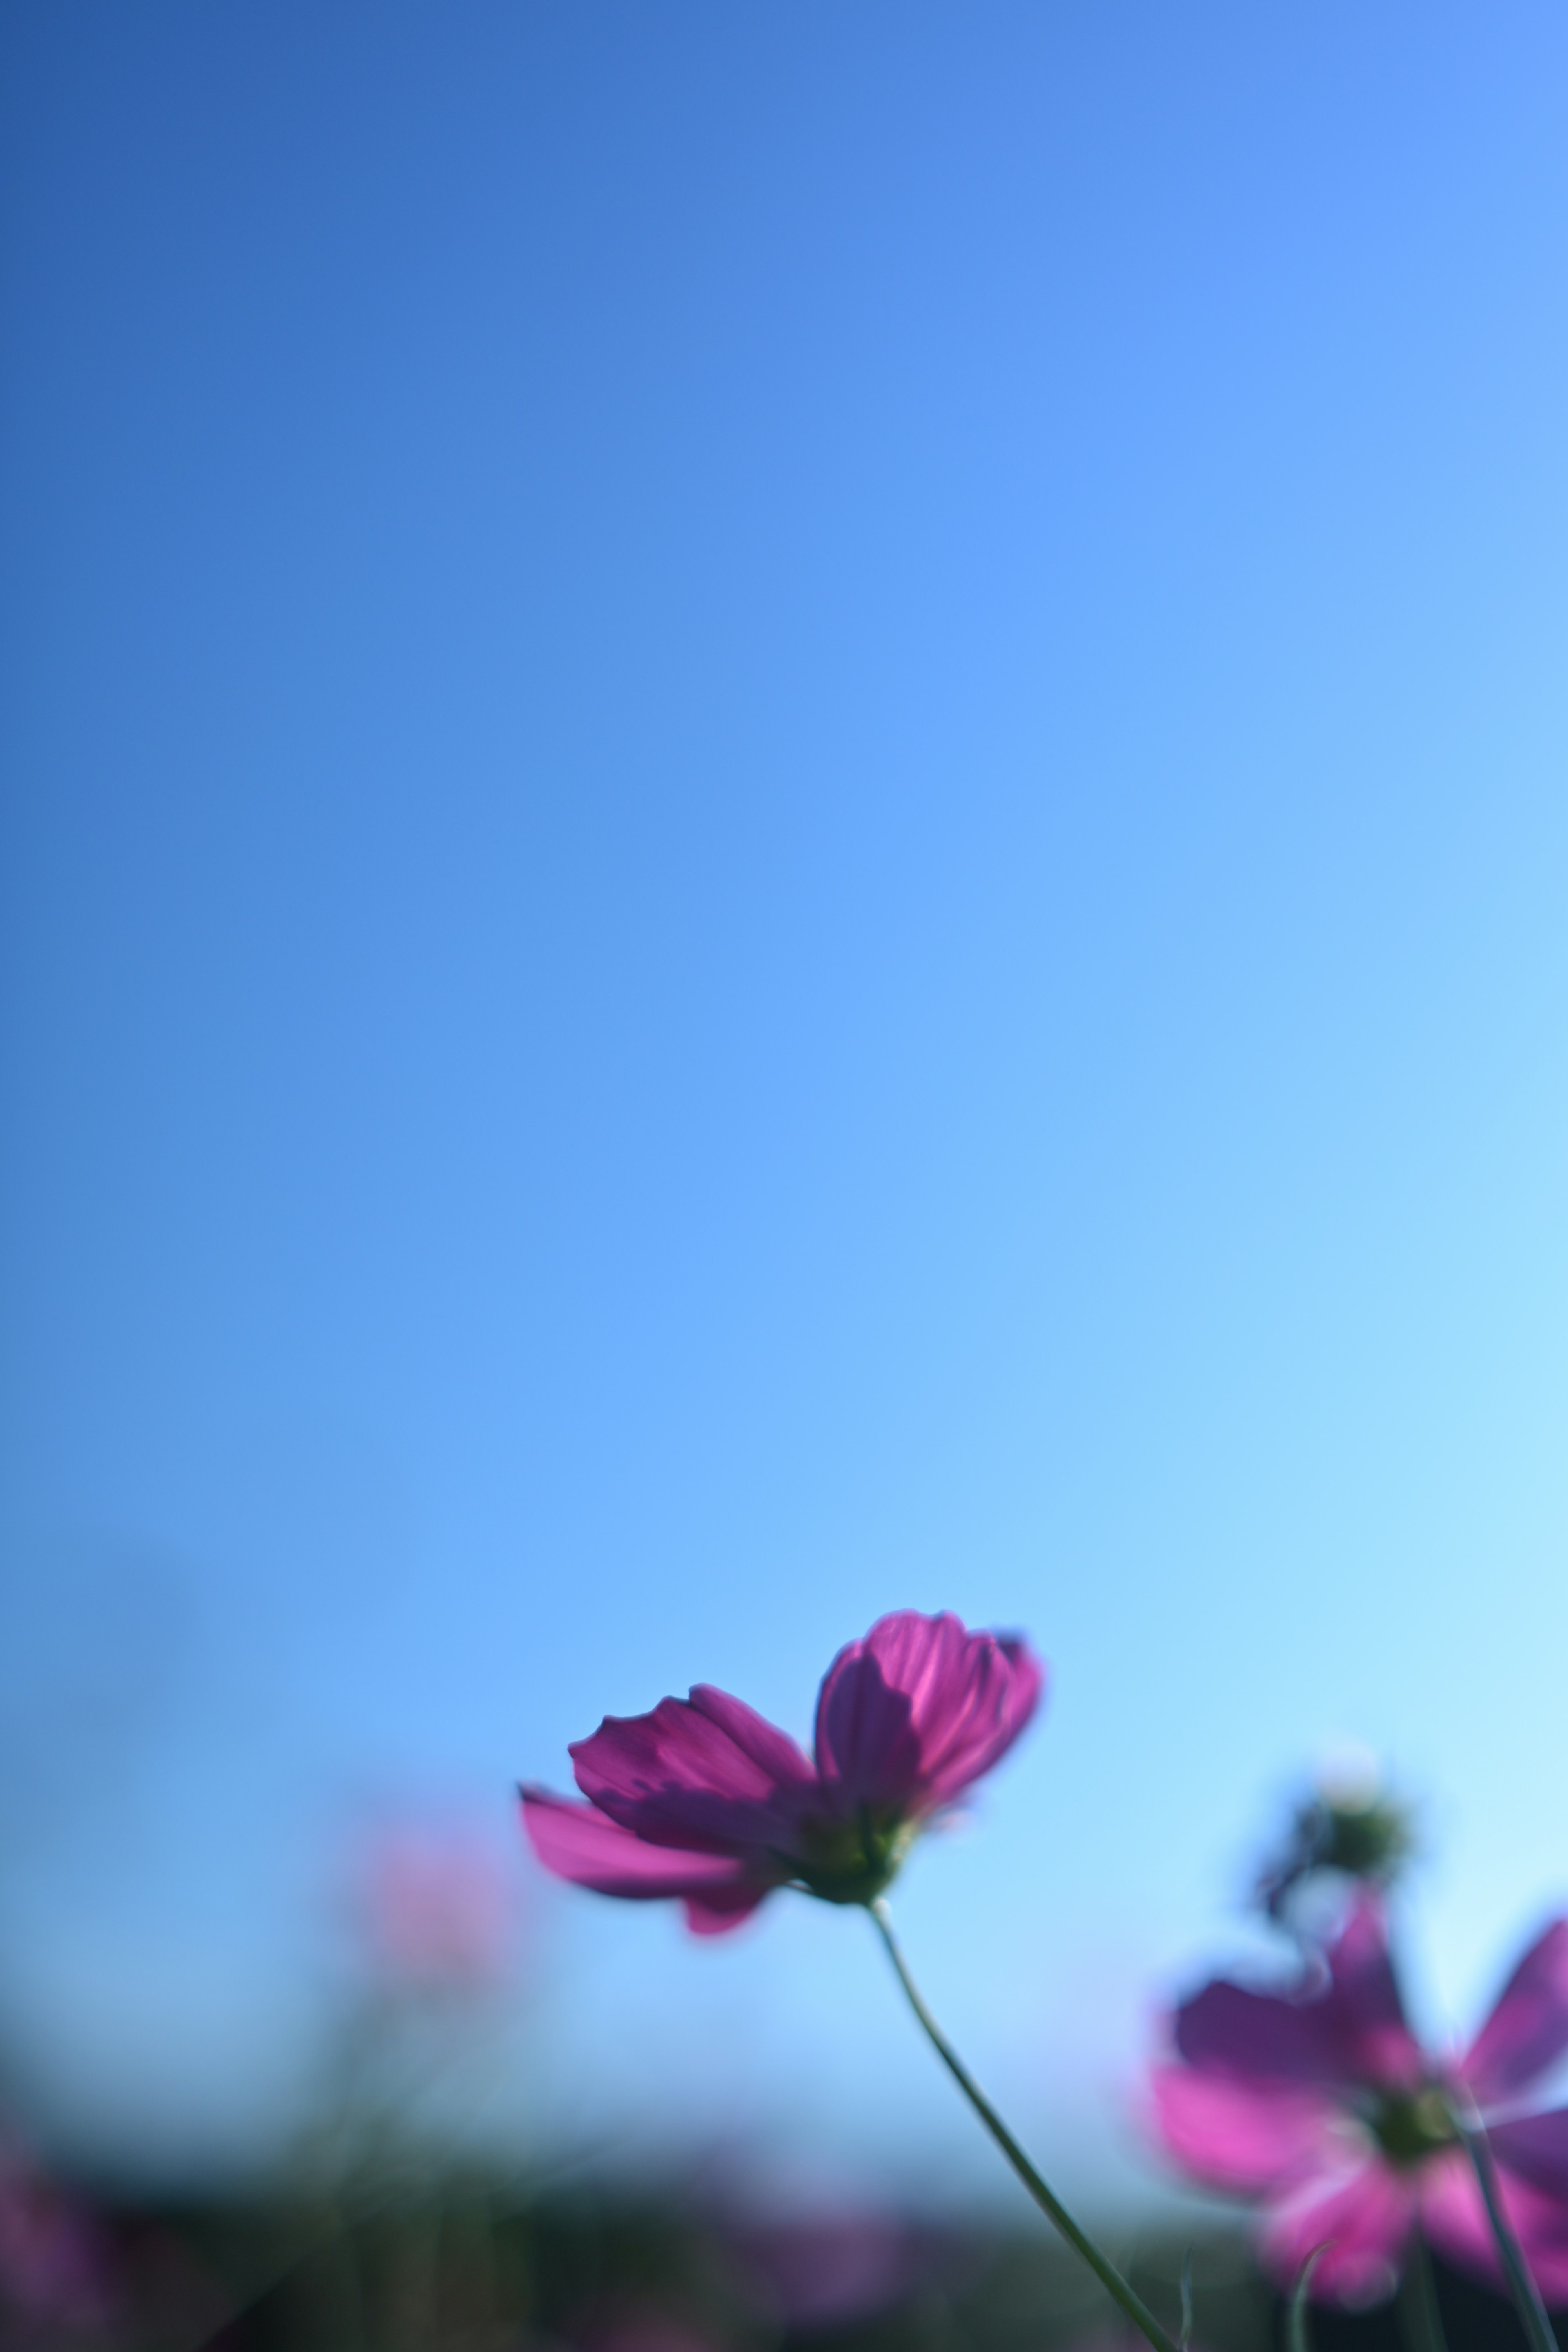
x: 1526, y: 2294
x: 1056, y: 2212
x: 1297, y: 2334
x: 1419, y: 2316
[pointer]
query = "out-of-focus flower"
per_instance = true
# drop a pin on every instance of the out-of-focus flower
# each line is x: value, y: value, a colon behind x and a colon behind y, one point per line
x: 434, y: 1910
x: 821, y: 2270
x: 56, y: 2266
x: 1319, y: 2102
x: 705, y: 1800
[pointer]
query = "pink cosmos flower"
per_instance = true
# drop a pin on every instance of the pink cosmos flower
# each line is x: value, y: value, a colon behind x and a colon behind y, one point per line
x: 705, y: 1800
x: 1319, y: 2102
x: 435, y: 1909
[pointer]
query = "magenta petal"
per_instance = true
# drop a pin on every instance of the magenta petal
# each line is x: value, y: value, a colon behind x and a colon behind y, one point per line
x: 1528, y: 2029
x: 1227, y: 2029
x: 1546, y: 2259
x: 708, y: 1773
x: 579, y: 1842
x: 1361, y: 2215
x: 715, y: 1914
x: 1535, y: 2148
x: 910, y: 1716
x: 1240, y: 2135
x: 1456, y: 2222
x: 1456, y: 2219
x: 1540, y: 2218
x: 1453, y: 2216
x: 1364, y: 2004
x: 780, y: 1759
x: 1345, y: 2027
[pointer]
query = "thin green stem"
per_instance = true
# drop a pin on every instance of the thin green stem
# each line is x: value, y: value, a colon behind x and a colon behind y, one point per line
x: 1419, y: 2316
x: 1297, y: 2334
x: 1526, y: 2294
x: 1050, y: 2205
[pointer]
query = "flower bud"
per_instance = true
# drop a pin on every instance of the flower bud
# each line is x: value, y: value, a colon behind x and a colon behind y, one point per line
x: 1352, y: 1823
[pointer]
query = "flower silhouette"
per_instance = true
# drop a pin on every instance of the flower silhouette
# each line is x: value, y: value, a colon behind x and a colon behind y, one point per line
x: 706, y: 1801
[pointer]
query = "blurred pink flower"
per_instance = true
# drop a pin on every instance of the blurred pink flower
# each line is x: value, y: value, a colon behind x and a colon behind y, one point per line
x: 705, y: 1800
x: 1319, y: 2103
x: 820, y: 2269
x: 55, y: 2261
x: 435, y: 1909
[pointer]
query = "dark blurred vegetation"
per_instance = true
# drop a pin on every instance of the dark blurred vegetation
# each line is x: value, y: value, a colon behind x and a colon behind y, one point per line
x: 456, y: 2262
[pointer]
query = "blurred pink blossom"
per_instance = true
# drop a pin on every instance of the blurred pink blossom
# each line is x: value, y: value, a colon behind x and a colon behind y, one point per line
x: 435, y: 1909
x: 705, y: 1800
x: 1319, y: 2102
x: 820, y: 2269
x: 56, y: 2264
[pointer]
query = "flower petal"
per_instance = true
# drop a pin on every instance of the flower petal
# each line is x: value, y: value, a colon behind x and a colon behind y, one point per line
x: 1535, y: 2148
x: 1528, y: 2025
x: 1342, y: 2022
x: 1456, y: 2219
x: 1360, y: 2216
x: 1453, y: 2216
x: 716, y: 1913
x: 1240, y: 2135
x: 1230, y: 2030
x: 910, y: 1716
x: 1541, y: 2225
x: 773, y: 1751
x: 579, y: 1842
x: 706, y: 1773
x: 1363, y: 2001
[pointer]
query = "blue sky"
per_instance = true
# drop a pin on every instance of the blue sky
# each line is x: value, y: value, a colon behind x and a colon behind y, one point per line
x: 786, y: 834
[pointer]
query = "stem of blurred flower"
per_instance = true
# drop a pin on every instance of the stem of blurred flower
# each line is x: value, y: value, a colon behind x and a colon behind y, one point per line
x: 1419, y: 2317
x: 1056, y: 2212
x: 1296, y: 2331
x: 1526, y: 2294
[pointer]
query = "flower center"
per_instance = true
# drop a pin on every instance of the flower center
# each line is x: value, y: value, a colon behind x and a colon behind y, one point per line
x: 851, y: 1861
x: 1411, y: 2126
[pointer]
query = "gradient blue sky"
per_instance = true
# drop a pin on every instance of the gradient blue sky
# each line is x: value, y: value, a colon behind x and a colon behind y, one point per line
x: 788, y: 832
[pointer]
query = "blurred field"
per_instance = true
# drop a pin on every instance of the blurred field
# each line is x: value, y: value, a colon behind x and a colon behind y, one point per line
x: 462, y: 2262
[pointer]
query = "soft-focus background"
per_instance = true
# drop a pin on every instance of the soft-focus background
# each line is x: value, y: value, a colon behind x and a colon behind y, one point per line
x: 786, y: 833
